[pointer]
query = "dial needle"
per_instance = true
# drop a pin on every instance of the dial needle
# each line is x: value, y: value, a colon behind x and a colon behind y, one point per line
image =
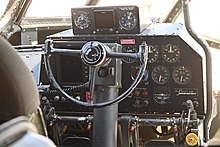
x: 160, y: 77
x: 181, y: 78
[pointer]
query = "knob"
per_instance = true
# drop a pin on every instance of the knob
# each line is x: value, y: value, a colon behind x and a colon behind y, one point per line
x: 56, y: 98
x: 78, y: 98
x: 44, y: 98
x: 63, y: 99
x: 146, y: 102
x: 103, y: 72
x: 130, y: 95
x: 196, y: 104
x: 145, y: 94
x: 136, y: 93
x: 137, y: 102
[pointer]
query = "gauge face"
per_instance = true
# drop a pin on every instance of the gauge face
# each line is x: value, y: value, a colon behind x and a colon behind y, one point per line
x: 160, y: 75
x: 128, y: 20
x: 171, y: 53
x: 129, y: 49
x: 182, y: 75
x: 134, y: 73
x: 162, y: 95
x: 82, y: 20
x: 153, y: 54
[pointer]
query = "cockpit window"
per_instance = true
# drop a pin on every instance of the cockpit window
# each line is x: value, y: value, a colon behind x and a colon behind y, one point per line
x: 150, y: 10
x: 204, y: 17
x: 56, y: 8
x: 53, y: 8
x: 3, y: 7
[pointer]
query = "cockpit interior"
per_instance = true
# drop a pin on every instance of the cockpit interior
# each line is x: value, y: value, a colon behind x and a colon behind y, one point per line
x: 95, y: 73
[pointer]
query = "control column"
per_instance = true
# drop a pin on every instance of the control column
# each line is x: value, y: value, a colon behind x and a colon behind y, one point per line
x: 106, y: 75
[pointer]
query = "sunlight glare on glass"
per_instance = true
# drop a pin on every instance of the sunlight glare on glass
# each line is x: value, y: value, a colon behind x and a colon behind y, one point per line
x: 205, y: 17
x: 149, y: 9
x: 52, y: 8
x: 3, y: 4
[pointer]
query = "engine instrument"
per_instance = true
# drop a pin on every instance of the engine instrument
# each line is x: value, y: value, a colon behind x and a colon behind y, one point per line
x: 160, y: 74
x: 182, y: 75
x: 153, y: 54
x: 171, y: 53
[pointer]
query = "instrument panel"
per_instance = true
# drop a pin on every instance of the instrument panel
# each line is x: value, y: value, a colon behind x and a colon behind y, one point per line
x: 105, y: 20
x: 173, y: 74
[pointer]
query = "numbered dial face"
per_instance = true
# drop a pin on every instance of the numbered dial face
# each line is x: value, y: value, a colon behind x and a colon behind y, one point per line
x: 171, y: 53
x: 153, y: 54
x: 128, y: 20
x: 160, y: 75
x: 182, y: 75
x: 129, y: 49
x: 162, y: 96
x: 82, y: 20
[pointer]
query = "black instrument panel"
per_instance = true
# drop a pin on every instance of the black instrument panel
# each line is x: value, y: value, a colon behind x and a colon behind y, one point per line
x: 105, y: 20
x: 173, y: 75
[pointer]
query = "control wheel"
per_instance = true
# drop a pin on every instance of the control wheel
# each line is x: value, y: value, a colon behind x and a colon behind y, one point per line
x: 96, y: 55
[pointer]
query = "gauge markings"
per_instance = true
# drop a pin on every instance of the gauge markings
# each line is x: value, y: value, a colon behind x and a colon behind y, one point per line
x: 182, y: 75
x: 153, y: 54
x: 171, y: 53
x: 160, y: 74
x: 162, y: 95
x: 82, y: 20
x: 128, y: 20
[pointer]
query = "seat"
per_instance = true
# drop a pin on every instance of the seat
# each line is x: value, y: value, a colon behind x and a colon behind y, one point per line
x: 20, y: 132
x: 19, y: 101
x: 18, y: 92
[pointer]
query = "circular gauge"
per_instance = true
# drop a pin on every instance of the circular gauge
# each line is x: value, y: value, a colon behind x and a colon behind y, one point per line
x: 128, y: 20
x: 82, y: 20
x: 162, y: 95
x: 160, y: 75
x: 182, y: 75
x: 171, y: 53
x: 153, y: 54
x: 129, y: 49
x: 134, y: 73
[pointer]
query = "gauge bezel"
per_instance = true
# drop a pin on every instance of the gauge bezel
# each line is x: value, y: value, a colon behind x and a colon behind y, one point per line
x: 87, y: 17
x: 163, y: 92
x: 155, y: 58
x: 174, y: 59
x: 134, y: 19
x: 155, y: 78
x: 185, y: 68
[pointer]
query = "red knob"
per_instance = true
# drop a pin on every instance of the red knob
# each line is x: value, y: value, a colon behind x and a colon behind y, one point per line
x: 145, y: 94
x: 136, y: 93
x: 132, y: 128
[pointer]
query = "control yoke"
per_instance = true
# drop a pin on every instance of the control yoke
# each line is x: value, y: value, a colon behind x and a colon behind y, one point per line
x: 103, y: 60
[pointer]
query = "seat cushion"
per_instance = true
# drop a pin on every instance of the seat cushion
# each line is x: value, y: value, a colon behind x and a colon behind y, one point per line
x: 18, y: 91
